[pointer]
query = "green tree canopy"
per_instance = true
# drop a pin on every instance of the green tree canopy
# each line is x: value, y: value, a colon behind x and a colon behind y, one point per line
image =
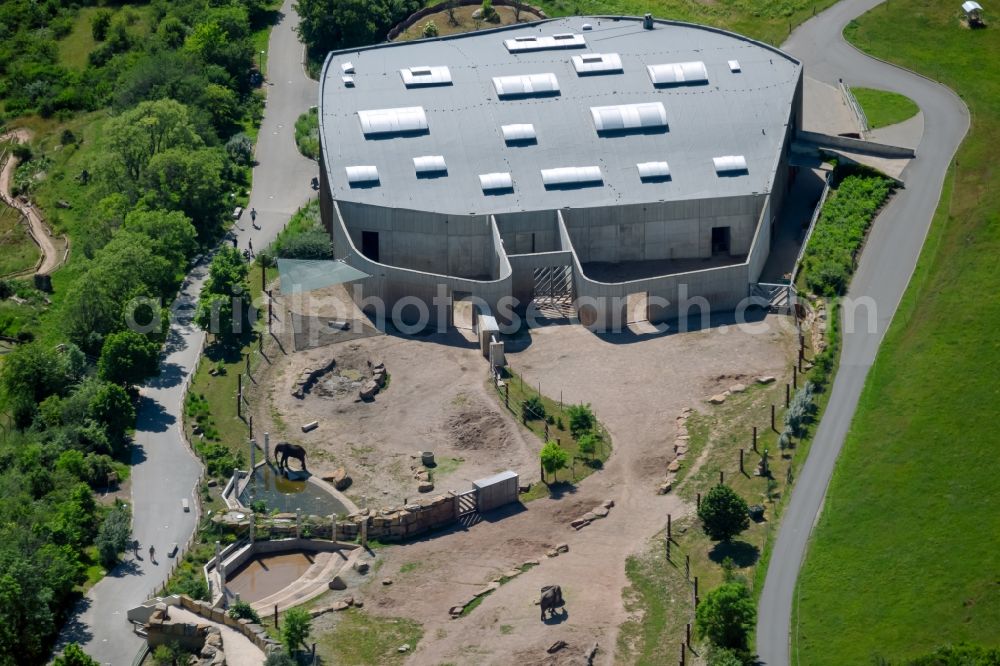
x: 171, y: 233
x: 581, y: 419
x: 553, y: 457
x: 726, y: 616
x: 128, y: 357
x: 334, y: 24
x: 74, y: 655
x: 295, y: 629
x: 723, y: 513
x: 135, y: 136
x: 112, y: 408
x: 189, y: 181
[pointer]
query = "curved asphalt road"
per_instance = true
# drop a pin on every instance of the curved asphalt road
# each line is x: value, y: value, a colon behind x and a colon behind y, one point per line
x: 165, y: 470
x: 883, y: 273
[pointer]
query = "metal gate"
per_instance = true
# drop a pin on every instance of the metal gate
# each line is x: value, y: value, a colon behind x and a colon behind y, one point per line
x: 553, y: 291
x: 468, y: 508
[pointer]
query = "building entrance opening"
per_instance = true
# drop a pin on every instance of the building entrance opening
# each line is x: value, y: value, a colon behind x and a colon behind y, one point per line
x: 720, y: 240
x: 637, y: 307
x: 369, y: 244
x: 552, y: 295
x: 463, y: 311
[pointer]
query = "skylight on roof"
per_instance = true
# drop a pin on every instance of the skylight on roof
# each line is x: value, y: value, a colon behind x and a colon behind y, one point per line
x: 730, y: 163
x: 653, y: 171
x: 734, y: 66
x: 414, y: 77
x: 518, y: 132
x: 626, y: 117
x: 430, y: 164
x: 597, y: 63
x: 494, y: 182
x: 405, y: 120
x: 572, y: 177
x: 678, y: 73
x: 361, y: 175
x: 565, y: 40
x: 526, y: 85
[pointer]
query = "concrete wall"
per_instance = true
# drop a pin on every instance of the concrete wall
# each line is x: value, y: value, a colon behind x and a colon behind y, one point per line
x: 661, y: 230
x: 459, y: 245
x: 523, y: 269
x: 517, y: 230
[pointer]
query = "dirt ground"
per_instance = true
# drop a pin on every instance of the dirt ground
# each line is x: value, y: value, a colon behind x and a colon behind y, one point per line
x: 438, y: 399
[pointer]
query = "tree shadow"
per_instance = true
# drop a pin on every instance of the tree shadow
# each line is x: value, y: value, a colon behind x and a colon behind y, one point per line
x: 74, y: 630
x: 171, y: 374
x: 741, y: 553
x: 152, y: 417
x: 558, y: 489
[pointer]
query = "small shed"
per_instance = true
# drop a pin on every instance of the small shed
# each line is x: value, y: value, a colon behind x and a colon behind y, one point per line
x: 489, y: 332
x: 973, y: 12
x: 495, y: 491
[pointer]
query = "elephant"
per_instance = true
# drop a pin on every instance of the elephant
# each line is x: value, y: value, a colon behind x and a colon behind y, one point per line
x: 284, y: 451
x: 551, y: 599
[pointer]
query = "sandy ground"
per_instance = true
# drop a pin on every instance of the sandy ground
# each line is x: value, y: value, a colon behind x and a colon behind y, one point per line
x: 438, y: 399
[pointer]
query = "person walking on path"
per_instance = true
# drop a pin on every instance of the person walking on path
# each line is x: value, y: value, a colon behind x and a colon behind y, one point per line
x: 253, y: 218
x: 152, y: 556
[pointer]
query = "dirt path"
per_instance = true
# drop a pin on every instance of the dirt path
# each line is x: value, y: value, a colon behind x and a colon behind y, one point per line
x: 52, y: 258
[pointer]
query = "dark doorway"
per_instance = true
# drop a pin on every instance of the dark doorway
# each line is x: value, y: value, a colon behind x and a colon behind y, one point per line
x: 720, y: 240
x: 369, y: 244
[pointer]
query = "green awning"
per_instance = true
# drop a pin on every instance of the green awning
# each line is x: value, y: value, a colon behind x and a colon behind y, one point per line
x: 298, y: 275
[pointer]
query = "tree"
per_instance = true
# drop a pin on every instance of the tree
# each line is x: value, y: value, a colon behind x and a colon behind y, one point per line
x: 295, y: 629
x: 333, y: 24
x: 32, y: 372
x: 171, y: 233
x: 74, y: 655
x: 588, y: 444
x: 228, y: 270
x: 554, y: 458
x: 723, y: 513
x: 100, y: 23
x: 189, y: 181
x: 112, y: 408
x: 581, y: 419
x: 113, y: 536
x: 134, y: 137
x: 726, y: 616
x: 128, y: 358
x: 726, y: 657
x: 430, y: 29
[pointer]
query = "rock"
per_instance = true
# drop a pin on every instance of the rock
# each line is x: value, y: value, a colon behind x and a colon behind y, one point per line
x: 737, y: 388
x: 212, y: 483
x: 608, y: 503
x: 529, y: 563
x: 579, y: 523
x: 456, y: 610
x: 513, y: 573
x: 555, y: 647
x: 337, y: 583
x: 590, y: 516
x: 405, y: 647
x: 340, y: 606
x: 349, y: 601
x: 423, y: 476
x: 387, y: 581
x: 552, y: 552
x: 358, y: 603
x: 665, y: 488
x: 562, y: 548
x: 340, y: 479
x: 674, y: 465
x: 361, y: 567
x: 717, y: 399
x: 599, y: 512
x: 368, y: 390
x: 425, y: 487
x: 765, y: 379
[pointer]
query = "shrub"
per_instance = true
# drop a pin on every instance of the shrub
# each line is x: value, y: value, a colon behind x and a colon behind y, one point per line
x: 801, y: 411
x: 532, y: 409
x: 113, y: 536
x: 489, y: 13
x: 307, y: 134
x: 307, y: 245
x: 295, y: 629
x: 723, y: 513
x: 100, y: 23
x: 726, y: 616
x: 430, y: 29
x: 588, y: 444
x: 240, y: 149
x: 241, y: 610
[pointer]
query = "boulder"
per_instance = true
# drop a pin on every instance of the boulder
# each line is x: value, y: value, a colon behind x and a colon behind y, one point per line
x: 340, y: 479
x: 765, y: 379
x: 608, y: 503
x: 674, y: 465
x: 425, y: 487
x: 665, y: 488
x: 337, y: 583
x: 456, y: 610
x: 387, y: 581
x: 340, y: 606
x: 368, y: 390
x: 562, y: 548
x: 600, y: 512
x: 737, y: 388
x: 361, y: 567
x: 717, y: 399
x: 552, y: 552
x: 579, y: 523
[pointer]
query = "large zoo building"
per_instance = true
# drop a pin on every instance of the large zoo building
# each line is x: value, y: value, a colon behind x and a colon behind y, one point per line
x: 594, y: 159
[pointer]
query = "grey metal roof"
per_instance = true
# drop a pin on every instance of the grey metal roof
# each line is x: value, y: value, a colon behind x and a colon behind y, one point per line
x: 735, y: 113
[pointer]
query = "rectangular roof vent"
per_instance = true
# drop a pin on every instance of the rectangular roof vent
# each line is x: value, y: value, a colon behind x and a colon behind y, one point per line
x: 414, y: 77
x: 678, y: 73
x: 653, y: 171
x: 734, y: 65
x: 564, y: 40
x: 406, y: 120
x: 361, y: 175
x: 597, y: 63
x: 526, y: 85
x: 347, y: 67
x: 519, y: 132
x: 572, y: 177
x: 493, y: 182
x: 627, y: 117
x: 730, y: 163
x: 430, y: 164
x: 348, y: 80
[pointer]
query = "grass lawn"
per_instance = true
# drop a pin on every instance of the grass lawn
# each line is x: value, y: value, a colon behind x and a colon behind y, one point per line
x: 77, y: 45
x: 359, y: 638
x: 905, y: 555
x: 17, y: 251
x: 883, y: 108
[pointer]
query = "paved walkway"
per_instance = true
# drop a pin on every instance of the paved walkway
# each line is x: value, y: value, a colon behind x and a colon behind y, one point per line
x: 883, y: 273
x: 164, y: 469
x: 240, y: 650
